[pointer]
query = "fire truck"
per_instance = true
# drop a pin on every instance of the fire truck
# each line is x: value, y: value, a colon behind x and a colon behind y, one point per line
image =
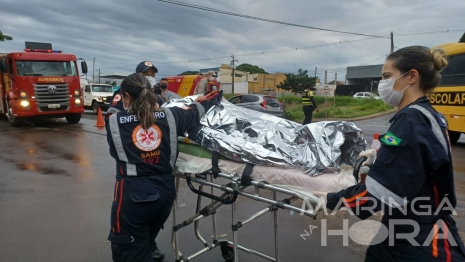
x: 40, y: 82
x: 185, y: 85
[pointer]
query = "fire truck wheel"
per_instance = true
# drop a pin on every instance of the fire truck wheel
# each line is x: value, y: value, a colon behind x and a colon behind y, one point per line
x: 14, y: 120
x: 73, y: 118
x: 95, y: 107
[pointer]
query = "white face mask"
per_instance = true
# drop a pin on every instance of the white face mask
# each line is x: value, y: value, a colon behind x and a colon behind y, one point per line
x: 152, y: 80
x: 387, y: 92
x: 211, y: 78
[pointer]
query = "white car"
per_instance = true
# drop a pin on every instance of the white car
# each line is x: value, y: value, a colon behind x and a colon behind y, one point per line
x: 360, y: 95
x: 97, y: 95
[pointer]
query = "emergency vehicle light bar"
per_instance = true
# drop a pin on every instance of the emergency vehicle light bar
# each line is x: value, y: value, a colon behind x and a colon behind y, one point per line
x: 42, y: 51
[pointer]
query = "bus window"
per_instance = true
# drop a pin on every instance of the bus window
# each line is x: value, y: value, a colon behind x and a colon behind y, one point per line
x: 454, y: 73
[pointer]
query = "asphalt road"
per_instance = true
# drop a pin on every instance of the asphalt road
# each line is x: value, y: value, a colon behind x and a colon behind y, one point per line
x: 56, y: 191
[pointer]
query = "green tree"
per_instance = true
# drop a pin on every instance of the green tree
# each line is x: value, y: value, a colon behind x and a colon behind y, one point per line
x: 5, y: 37
x: 253, y: 69
x: 111, y: 83
x: 187, y: 73
x: 462, y: 39
x: 297, y: 82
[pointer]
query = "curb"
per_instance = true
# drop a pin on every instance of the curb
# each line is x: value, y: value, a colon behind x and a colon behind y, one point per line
x: 357, y: 118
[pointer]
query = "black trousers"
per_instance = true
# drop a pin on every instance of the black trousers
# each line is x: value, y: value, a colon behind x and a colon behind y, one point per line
x: 308, y: 112
x: 429, y: 250
x: 141, y: 205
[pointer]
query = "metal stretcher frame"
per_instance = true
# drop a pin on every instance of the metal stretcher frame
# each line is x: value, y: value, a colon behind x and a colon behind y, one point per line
x: 231, y: 191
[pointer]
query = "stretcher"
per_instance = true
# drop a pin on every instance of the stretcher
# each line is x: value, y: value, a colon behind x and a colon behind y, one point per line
x: 200, y: 167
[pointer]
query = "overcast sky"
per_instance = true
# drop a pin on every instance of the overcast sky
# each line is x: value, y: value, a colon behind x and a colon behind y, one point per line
x: 122, y: 33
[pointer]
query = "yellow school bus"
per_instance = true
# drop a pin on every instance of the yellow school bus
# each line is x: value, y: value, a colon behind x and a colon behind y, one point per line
x: 449, y: 97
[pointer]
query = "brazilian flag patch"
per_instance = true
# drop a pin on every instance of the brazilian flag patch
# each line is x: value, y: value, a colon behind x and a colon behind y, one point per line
x: 390, y: 139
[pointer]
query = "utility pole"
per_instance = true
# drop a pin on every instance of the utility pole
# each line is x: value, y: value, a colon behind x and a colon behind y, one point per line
x: 93, y: 72
x: 315, y: 70
x: 99, y: 75
x: 392, y: 42
x: 326, y: 76
x: 335, y: 86
x: 233, y: 73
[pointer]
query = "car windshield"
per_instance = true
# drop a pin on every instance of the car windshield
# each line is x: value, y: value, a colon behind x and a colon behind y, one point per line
x: 102, y: 89
x: 46, y: 68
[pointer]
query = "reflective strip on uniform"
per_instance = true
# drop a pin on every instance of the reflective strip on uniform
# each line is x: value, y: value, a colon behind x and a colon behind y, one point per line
x: 173, y: 135
x: 434, y: 126
x: 200, y: 108
x: 131, y: 169
x: 112, y: 110
x: 382, y: 193
x: 115, y: 134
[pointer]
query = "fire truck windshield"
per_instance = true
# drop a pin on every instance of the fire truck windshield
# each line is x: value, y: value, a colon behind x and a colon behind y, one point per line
x: 46, y: 68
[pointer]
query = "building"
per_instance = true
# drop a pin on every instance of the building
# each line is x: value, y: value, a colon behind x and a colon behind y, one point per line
x: 260, y: 83
x: 361, y: 79
x: 245, y: 82
x: 363, y: 75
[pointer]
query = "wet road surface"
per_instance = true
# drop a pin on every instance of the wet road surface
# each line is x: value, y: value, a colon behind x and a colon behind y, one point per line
x: 56, y: 191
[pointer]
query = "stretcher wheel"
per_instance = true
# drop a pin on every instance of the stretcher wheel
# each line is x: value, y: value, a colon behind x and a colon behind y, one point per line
x: 227, y: 252
x: 357, y: 167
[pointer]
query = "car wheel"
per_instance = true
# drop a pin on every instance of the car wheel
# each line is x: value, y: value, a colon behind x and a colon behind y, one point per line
x: 95, y: 107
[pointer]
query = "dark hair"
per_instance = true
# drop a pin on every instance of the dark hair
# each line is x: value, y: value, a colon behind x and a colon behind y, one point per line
x: 309, y: 84
x: 428, y: 63
x: 163, y: 79
x: 143, y: 99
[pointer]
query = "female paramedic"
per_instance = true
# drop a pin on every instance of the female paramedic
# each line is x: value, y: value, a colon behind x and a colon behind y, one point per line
x: 412, y: 179
x: 143, y: 140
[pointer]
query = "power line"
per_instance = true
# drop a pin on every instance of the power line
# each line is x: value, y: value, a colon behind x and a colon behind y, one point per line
x: 253, y: 54
x: 262, y: 19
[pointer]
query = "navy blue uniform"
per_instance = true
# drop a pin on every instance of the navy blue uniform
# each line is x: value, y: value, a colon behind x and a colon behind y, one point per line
x: 144, y: 189
x: 413, y: 170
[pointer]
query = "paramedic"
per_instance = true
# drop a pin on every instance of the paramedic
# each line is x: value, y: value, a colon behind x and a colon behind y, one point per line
x: 143, y: 141
x: 144, y: 68
x: 148, y: 70
x: 308, y: 103
x: 412, y: 179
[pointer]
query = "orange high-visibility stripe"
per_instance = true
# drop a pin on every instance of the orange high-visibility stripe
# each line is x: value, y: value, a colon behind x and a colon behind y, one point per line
x: 436, y: 195
x: 116, y: 191
x: 118, y: 226
x: 358, y: 203
x: 355, y: 197
x: 446, y: 243
x: 435, y: 241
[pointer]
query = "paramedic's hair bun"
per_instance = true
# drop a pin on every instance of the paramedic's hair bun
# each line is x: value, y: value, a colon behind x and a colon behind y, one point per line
x: 439, y: 59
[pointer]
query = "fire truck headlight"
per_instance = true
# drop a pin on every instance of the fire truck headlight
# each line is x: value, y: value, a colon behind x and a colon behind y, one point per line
x: 23, y: 94
x: 24, y: 103
x: 76, y: 93
x: 77, y: 101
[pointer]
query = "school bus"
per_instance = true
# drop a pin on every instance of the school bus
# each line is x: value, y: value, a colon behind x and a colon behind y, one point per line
x: 449, y: 97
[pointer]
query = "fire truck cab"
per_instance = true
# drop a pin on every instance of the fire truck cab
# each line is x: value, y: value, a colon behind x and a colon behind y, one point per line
x: 40, y: 82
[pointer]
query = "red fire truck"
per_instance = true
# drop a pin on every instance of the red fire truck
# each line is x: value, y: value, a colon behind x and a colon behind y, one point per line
x: 40, y: 82
x: 185, y: 85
